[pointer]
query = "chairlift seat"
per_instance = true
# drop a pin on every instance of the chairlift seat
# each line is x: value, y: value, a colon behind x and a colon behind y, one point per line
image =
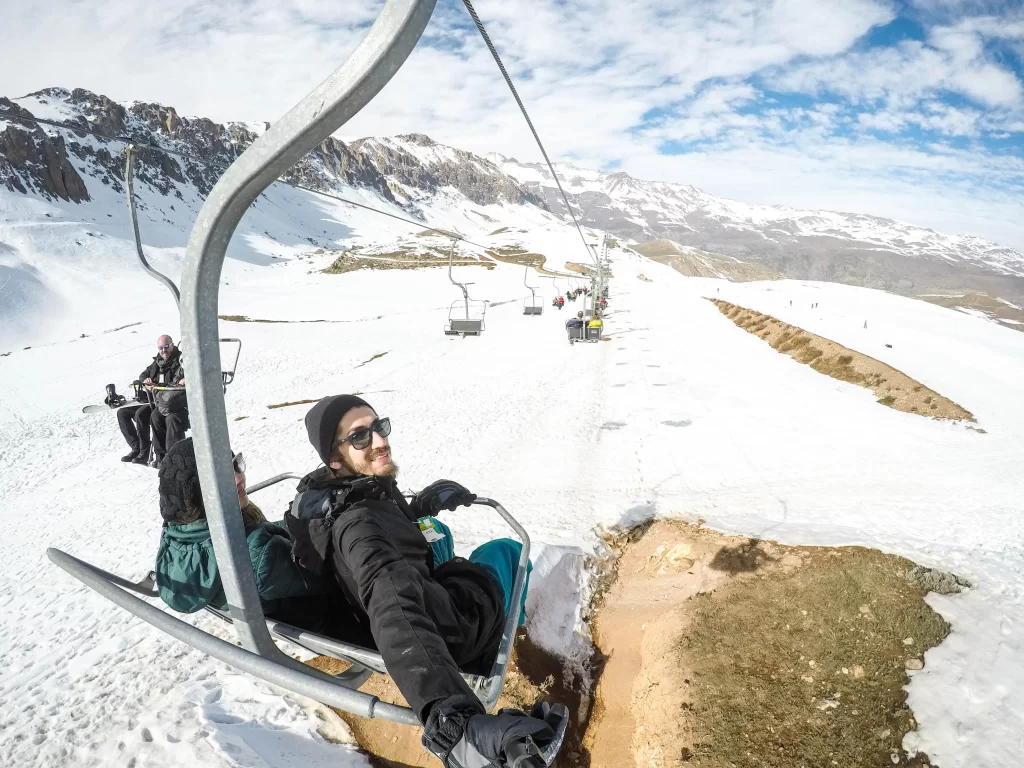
x: 529, y: 310
x: 594, y: 334
x: 464, y: 327
x: 364, y: 661
x: 575, y: 332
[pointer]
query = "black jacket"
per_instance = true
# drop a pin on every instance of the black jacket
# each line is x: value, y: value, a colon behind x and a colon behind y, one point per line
x: 167, y: 373
x: 427, y: 622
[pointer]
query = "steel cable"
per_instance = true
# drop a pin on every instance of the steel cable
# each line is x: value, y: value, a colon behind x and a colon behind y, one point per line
x: 529, y: 122
x: 7, y: 115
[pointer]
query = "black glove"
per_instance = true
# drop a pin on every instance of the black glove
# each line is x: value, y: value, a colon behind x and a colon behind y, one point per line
x: 462, y: 736
x: 442, y: 494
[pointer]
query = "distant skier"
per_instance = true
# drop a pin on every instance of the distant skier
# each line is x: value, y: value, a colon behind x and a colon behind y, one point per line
x: 429, y: 619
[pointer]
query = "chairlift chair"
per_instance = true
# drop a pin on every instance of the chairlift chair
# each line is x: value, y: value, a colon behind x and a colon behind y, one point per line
x: 367, y: 70
x: 531, y: 305
x: 465, y: 325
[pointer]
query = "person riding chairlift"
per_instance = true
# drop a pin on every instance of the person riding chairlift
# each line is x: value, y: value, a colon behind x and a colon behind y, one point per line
x: 561, y: 302
x: 432, y: 614
x: 187, y: 577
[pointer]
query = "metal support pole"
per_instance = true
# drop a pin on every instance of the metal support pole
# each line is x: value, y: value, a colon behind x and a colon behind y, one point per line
x: 373, y: 63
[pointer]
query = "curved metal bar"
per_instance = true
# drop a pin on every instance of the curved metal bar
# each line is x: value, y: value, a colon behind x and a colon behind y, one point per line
x: 374, y: 62
x: 272, y: 481
x: 228, y: 376
x: 129, y: 174
x: 296, y: 677
x: 495, y: 681
x: 465, y: 293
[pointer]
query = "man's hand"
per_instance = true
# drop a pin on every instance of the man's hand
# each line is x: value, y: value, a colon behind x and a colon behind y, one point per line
x: 148, y: 382
x: 443, y: 494
x: 181, y: 383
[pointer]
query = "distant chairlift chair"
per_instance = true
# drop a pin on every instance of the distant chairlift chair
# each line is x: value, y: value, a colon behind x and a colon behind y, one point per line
x: 465, y: 325
x: 532, y: 305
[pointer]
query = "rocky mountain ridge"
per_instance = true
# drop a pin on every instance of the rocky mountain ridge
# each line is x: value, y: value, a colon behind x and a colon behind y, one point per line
x: 41, y: 159
x: 411, y: 170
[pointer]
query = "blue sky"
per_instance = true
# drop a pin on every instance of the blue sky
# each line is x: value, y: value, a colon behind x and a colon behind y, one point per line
x: 910, y: 109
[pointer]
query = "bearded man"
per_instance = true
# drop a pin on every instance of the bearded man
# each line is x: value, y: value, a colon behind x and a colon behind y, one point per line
x: 428, y: 619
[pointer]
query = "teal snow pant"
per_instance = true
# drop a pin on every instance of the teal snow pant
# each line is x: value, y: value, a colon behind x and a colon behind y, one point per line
x: 499, y: 557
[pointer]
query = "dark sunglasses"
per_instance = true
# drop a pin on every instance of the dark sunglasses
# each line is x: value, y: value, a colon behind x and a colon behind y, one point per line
x: 162, y: 347
x: 238, y: 462
x: 362, y: 438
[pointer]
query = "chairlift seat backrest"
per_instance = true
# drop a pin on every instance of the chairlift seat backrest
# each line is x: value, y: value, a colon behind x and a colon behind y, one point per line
x: 468, y: 327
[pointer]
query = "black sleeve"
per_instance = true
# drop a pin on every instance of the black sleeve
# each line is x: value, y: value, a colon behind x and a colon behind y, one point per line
x: 149, y: 372
x: 399, y: 602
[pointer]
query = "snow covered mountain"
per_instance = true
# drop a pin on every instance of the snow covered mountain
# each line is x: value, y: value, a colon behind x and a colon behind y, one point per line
x: 822, y: 245
x: 66, y: 250
x: 64, y: 238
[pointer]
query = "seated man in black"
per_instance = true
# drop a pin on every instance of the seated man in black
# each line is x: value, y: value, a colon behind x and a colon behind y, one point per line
x: 169, y: 415
x: 428, y: 622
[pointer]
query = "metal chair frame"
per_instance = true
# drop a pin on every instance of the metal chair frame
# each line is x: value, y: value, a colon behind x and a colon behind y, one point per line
x: 463, y: 326
x: 531, y: 306
x: 374, y: 62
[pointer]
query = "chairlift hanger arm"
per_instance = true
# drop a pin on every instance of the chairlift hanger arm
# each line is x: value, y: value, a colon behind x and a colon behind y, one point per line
x: 129, y: 175
x: 378, y: 57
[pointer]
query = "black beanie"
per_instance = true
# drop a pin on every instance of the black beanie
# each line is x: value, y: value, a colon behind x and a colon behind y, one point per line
x: 179, y: 483
x: 323, y: 419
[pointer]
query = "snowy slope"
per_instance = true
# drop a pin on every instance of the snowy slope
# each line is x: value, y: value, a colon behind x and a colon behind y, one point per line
x: 681, y: 414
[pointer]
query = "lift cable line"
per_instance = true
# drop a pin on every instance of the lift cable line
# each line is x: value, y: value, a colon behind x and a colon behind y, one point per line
x: 529, y: 122
x: 5, y: 115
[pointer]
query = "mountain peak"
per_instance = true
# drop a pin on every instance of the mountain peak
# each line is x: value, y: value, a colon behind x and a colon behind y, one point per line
x: 420, y: 139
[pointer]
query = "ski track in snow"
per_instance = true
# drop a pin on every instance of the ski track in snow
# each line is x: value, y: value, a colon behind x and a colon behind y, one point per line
x: 679, y: 414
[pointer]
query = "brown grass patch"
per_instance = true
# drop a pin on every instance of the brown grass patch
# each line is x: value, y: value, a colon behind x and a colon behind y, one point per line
x: 729, y: 652
x: 378, y: 356
x: 893, y: 388
x: 293, y: 402
x: 403, y: 258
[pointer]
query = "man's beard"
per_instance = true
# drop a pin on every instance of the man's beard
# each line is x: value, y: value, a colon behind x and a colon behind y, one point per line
x: 367, y: 467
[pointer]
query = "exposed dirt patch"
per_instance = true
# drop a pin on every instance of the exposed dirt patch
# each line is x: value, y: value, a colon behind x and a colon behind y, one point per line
x: 893, y: 388
x: 1005, y: 312
x: 247, y: 319
x: 378, y: 356
x: 533, y: 674
x: 734, y: 653
x: 292, y: 402
x: 402, y: 258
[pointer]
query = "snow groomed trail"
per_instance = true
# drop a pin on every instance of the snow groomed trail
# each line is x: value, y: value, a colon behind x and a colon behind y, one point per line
x: 679, y: 414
